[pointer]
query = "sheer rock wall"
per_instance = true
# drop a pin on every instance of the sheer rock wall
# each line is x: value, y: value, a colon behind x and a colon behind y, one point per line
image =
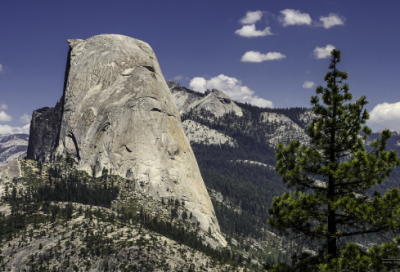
x: 119, y: 114
x: 44, y: 129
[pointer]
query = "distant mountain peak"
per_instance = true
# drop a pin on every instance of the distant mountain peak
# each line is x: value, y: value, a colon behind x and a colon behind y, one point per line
x: 12, y: 146
x: 215, y: 101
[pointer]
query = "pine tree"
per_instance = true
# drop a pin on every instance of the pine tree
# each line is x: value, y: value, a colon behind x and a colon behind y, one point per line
x: 332, y: 177
x: 104, y: 173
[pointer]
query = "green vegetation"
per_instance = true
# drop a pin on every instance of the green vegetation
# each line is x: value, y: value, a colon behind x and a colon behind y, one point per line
x: 72, y: 189
x: 98, y: 219
x: 325, y: 216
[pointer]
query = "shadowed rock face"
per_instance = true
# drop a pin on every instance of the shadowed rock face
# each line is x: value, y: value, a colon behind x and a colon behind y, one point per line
x: 44, y: 129
x: 118, y: 113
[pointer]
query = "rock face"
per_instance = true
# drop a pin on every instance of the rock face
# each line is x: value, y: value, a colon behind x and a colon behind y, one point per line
x: 215, y: 101
x: 285, y: 129
x: 12, y: 147
x: 119, y: 114
x: 8, y: 172
x: 307, y: 117
x: 45, y: 125
x: 197, y: 133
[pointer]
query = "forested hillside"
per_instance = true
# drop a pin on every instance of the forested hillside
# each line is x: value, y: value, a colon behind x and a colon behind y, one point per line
x: 249, y: 188
x: 56, y: 218
x: 240, y: 177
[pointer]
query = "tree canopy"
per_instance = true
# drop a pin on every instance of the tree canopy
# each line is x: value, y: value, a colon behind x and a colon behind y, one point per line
x: 332, y: 178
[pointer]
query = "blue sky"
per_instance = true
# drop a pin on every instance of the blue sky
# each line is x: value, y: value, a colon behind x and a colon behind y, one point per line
x: 262, y: 52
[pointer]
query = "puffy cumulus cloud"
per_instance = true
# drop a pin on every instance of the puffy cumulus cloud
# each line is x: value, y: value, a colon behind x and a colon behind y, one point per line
x: 294, y: 17
x: 331, y: 20
x: 323, y: 52
x: 308, y: 84
x: 250, y: 31
x: 255, y: 56
x: 178, y: 77
x: 3, y: 107
x: 232, y: 87
x: 4, y: 117
x: 251, y: 17
x: 14, y: 130
x: 25, y: 119
x: 385, y: 115
x: 198, y: 84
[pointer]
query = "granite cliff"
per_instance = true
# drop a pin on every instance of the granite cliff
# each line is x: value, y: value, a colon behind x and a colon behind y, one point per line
x: 117, y: 113
x: 43, y: 134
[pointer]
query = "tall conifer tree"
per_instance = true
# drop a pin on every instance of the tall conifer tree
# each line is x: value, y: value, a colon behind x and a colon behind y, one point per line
x: 331, y: 178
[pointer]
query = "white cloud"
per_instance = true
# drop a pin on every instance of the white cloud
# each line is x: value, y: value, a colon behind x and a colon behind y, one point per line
x: 3, y: 107
x: 25, y: 119
x: 255, y: 56
x: 385, y: 115
x: 232, y: 87
x: 323, y: 52
x: 294, y: 17
x: 198, y: 84
x: 14, y: 130
x: 1, y: 68
x: 251, y: 17
x: 178, y: 77
x: 4, y: 117
x: 308, y: 84
x: 249, y: 31
x: 331, y: 20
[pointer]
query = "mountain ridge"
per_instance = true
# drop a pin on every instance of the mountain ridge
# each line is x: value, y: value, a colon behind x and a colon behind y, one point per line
x: 236, y: 158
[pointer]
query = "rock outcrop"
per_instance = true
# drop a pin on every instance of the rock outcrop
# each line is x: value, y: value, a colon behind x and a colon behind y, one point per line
x: 285, y: 130
x: 12, y: 147
x: 215, y: 101
x: 307, y: 117
x: 45, y: 126
x: 197, y: 133
x: 119, y: 114
x: 8, y: 172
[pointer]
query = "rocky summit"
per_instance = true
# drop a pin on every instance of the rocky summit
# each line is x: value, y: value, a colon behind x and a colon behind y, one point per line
x: 118, y: 114
x: 214, y: 101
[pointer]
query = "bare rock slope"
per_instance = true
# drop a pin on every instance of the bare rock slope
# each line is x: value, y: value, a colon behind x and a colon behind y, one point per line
x: 286, y: 130
x: 197, y: 133
x: 215, y: 101
x: 12, y: 147
x: 119, y: 114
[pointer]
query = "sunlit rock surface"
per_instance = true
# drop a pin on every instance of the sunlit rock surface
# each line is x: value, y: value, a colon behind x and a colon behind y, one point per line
x: 197, y: 133
x: 119, y: 114
x: 12, y: 147
x: 286, y: 130
x: 215, y: 101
